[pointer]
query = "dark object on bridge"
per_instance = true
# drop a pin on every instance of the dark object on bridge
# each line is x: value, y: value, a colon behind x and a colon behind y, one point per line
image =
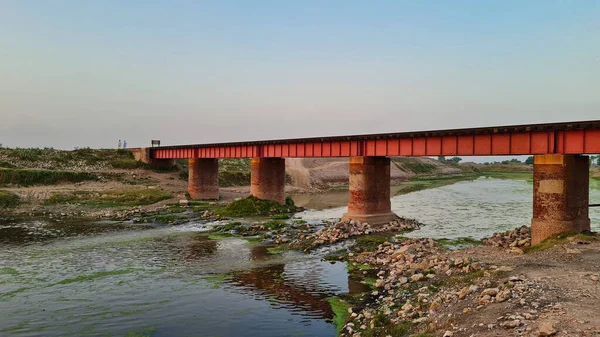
x: 155, y: 142
x: 594, y: 205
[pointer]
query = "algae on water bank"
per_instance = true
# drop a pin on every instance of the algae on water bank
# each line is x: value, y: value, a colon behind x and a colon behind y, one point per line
x: 111, y: 198
x: 253, y: 206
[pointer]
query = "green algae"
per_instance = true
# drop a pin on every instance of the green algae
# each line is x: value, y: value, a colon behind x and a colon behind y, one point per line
x: 276, y: 250
x: 96, y: 275
x: 216, y: 281
x: 141, y: 333
x: 8, y: 271
x: 340, y: 310
x: 459, y: 242
x: 253, y: 206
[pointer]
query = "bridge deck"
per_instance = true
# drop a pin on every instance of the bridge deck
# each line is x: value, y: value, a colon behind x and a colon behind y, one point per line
x: 563, y: 138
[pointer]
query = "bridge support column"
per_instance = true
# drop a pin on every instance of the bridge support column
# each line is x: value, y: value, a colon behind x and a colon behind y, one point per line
x: 267, y: 179
x: 370, y: 191
x: 560, y: 195
x: 203, y: 179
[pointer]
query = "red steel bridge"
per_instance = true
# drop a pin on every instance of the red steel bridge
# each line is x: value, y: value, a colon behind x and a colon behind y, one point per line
x: 561, y: 169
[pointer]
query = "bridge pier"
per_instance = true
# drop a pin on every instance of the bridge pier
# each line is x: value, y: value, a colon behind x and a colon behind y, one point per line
x: 203, y: 178
x: 560, y: 195
x: 370, y: 191
x: 267, y: 179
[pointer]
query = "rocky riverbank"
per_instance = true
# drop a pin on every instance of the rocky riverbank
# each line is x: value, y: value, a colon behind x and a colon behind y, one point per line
x: 422, y: 288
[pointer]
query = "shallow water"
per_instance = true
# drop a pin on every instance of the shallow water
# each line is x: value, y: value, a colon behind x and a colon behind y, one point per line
x: 69, y: 278
x: 476, y: 208
x: 167, y: 281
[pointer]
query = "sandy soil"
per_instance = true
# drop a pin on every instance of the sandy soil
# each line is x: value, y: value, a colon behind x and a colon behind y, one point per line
x: 564, y: 291
x: 319, y: 173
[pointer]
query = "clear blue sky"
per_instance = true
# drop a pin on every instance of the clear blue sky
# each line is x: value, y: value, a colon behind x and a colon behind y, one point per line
x: 88, y: 73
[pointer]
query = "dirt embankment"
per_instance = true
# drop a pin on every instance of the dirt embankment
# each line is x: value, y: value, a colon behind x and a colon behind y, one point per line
x: 320, y: 173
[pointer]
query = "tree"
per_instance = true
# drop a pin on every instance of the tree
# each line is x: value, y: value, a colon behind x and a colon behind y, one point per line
x: 529, y: 160
x: 455, y: 160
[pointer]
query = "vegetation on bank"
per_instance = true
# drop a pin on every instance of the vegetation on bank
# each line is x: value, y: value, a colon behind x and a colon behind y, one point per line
x: 340, y: 312
x: 42, y: 177
x: 561, y: 239
x: 253, y: 206
x: 8, y: 199
x: 111, y: 198
x: 61, y: 159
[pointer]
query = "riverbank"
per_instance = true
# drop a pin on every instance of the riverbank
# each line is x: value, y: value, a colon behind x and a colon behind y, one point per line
x: 110, y: 184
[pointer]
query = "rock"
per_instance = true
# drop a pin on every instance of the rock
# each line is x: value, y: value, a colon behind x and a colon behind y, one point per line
x: 517, y: 251
x: 448, y: 333
x: 511, y: 324
x: 546, y: 329
x: 490, y: 292
x: 594, y: 278
x: 417, y: 277
x: 183, y: 202
x: 572, y: 251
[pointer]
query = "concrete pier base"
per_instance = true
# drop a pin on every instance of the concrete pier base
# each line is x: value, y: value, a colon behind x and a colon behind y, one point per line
x: 267, y: 179
x: 203, y: 179
x: 560, y: 195
x: 142, y: 154
x: 370, y: 191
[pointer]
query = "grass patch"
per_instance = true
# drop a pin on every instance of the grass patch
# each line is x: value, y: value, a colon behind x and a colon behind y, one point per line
x: 516, y: 175
x: 384, y: 327
x: 280, y: 216
x: 111, y: 198
x: 459, y: 242
x: 8, y: 199
x: 162, y: 218
x: 561, y: 239
x: 469, y: 278
x: 370, y: 243
x: 96, y: 275
x: 340, y: 311
x: 5, y: 164
x: 359, y: 266
x: 253, y: 206
x: 414, y: 165
x: 25, y: 177
x: 274, y: 224
x: 336, y: 256
x: 276, y: 250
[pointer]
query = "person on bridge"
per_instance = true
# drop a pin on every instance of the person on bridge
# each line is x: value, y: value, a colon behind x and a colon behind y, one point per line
x: 119, y: 146
x: 124, y: 144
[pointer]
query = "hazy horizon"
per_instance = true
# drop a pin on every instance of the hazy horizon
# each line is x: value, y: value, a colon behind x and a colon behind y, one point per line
x: 86, y: 74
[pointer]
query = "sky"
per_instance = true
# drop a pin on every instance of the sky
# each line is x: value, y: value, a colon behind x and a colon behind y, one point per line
x: 88, y: 73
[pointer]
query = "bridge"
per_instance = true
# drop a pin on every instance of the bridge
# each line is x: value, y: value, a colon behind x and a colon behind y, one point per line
x: 560, y: 178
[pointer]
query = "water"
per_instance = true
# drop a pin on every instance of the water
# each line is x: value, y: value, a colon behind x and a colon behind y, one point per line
x: 122, y: 279
x: 476, y: 208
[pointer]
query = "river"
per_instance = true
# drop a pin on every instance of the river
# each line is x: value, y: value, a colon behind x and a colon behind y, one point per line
x: 125, y: 279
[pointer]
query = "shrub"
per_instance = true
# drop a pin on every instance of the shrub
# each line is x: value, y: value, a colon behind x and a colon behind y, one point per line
x: 8, y: 199
x: 42, y: 177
